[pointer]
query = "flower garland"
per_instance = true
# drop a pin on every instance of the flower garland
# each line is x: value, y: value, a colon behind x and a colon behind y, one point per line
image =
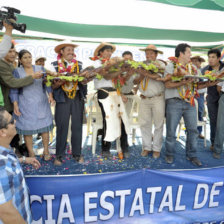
x: 71, y: 93
x: 103, y: 60
x: 189, y: 91
x: 118, y: 82
x: 144, y: 88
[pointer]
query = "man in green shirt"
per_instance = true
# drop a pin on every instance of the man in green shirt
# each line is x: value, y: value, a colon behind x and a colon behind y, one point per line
x: 8, y: 81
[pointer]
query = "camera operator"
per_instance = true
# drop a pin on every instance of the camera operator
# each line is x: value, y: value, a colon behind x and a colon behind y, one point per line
x: 5, y: 45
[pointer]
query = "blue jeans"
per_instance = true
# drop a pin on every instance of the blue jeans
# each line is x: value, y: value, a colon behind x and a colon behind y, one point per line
x: 219, y: 136
x: 175, y: 109
x: 201, y: 101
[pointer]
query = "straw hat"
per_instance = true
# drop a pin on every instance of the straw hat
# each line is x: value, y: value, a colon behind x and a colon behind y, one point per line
x: 96, y: 52
x: 38, y: 58
x: 151, y: 47
x: 64, y: 44
x: 198, y: 58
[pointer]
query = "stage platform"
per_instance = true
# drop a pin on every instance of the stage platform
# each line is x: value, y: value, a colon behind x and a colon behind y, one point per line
x: 130, y: 191
x: 98, y: 164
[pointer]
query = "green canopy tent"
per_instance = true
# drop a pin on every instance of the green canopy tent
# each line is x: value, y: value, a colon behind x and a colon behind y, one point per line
x: 120, y: 27
x: 199, y: 4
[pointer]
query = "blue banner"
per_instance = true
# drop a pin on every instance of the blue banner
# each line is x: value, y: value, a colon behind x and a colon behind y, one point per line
x: 142, y: 196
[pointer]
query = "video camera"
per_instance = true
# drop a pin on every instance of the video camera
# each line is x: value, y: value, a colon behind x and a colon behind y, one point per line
x: 10, y: 14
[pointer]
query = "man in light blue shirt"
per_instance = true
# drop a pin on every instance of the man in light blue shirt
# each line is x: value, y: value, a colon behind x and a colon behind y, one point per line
x: 14, y: 198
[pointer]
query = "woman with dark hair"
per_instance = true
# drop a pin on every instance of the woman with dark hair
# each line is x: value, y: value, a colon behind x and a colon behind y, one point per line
x: 31, y: 105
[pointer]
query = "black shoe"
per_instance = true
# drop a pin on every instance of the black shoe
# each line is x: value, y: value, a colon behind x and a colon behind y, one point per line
x: 106, y: 154
x: 126, y: 155
x: 169, y: 159
x: 212, y: 147
x: 216, y: 155
x: 195, y: 161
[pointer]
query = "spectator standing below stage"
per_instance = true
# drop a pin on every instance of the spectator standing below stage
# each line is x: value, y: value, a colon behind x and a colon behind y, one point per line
x: 14, y: 198
x: 31, y: 105
x: 197, y: 61
x: 69, y: 99
x: 214, y: 63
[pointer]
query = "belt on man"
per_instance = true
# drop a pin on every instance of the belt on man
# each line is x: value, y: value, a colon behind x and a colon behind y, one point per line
x: 150, y: 97
x: 126, y: 94
x: 107, y: 89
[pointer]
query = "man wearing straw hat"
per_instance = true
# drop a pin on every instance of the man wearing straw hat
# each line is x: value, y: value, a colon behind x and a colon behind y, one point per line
x: 69, y: 99
x: 152, y: 106
x: 106, y: 94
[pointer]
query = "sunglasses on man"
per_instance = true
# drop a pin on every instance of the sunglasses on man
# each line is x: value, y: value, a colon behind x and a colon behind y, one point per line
x: 12, y: 121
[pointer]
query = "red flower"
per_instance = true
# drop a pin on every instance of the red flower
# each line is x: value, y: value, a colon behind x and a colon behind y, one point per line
x: 173, y: 59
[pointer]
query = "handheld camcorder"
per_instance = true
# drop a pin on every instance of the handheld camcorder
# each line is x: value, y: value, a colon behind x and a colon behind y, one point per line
x: 10, y: 14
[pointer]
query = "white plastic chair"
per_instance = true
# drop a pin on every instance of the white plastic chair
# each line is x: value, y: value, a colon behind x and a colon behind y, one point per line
x: 90, y: 111
x: 96, y: 121
x: 133, y: 116
x: 199, y: 123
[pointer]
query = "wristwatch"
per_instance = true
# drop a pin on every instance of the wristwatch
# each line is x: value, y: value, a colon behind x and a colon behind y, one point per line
x: 24, y: 159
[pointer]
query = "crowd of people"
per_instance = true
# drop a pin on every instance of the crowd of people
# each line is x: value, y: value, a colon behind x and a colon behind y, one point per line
x: 28, y: 99
x: 25, y: 102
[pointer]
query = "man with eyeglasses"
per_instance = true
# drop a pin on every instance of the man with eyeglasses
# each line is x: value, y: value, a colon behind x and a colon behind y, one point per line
x: 14, y: 198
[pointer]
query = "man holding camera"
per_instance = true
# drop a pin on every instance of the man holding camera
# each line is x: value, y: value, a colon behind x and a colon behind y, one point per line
x: 6, y: 40
x: 4, y: 48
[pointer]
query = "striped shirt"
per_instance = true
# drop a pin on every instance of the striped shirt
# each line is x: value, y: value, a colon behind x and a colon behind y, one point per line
x: 12, y: 184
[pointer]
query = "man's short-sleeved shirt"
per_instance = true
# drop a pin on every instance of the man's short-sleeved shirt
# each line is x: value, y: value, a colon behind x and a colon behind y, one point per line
x: 154, y: 87
x: 170, y: 92
x: 173, y: 92
x: 222, y: 86
x: 12, y: 184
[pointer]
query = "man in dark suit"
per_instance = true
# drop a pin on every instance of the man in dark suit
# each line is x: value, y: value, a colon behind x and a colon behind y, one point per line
x: 69, y: 97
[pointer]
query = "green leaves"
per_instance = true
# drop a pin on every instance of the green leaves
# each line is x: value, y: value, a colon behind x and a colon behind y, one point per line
x: 151, y: 67
x: 210, y: 77
x: 66, y: 78
x: 176, y: 78
x: 99, y: 77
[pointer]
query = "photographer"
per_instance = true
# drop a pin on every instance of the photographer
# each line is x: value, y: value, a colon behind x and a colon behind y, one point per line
x: 6, y: 41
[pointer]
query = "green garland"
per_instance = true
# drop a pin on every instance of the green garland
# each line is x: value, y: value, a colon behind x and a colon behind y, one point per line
x: 210, y: 78
x: 151, y: 67
x: 66, y: 78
